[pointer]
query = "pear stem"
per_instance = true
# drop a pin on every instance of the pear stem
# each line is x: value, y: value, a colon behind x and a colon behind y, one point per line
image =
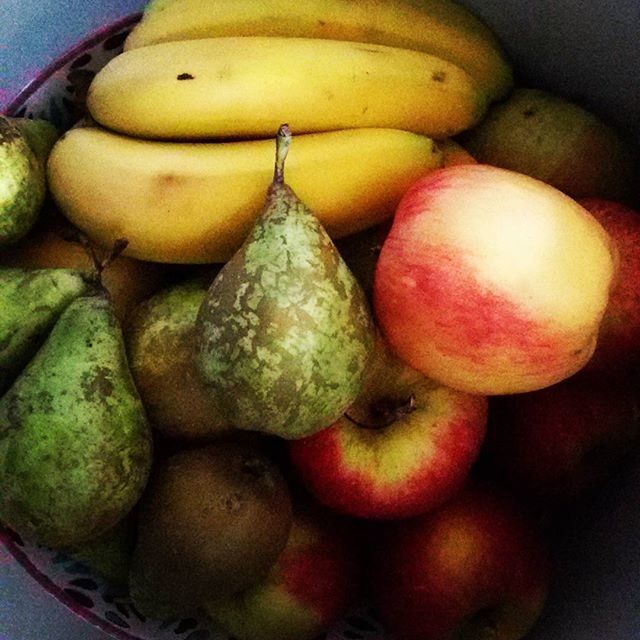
x: 99, y: 265
x: 283, y: 142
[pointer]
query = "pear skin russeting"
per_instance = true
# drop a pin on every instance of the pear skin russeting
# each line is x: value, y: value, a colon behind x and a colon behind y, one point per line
x: 285, y: 329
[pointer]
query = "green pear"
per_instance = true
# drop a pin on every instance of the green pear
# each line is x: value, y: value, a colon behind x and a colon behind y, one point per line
x: 75, y: 447
x: 285, y: 330
x: 110, y: 553
x: 31, y: 301
x: 161, y: 345
x: 39, y: 134
x: 24, y: 145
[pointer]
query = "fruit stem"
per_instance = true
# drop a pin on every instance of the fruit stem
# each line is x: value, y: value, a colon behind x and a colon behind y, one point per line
x: 99, y: 265
x: 283, y: 142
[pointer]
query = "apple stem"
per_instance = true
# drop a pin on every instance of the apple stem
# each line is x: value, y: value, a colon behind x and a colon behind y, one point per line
x: 385, y: 412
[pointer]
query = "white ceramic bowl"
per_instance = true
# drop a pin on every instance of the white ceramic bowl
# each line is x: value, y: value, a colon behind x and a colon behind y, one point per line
x: 588, y: 51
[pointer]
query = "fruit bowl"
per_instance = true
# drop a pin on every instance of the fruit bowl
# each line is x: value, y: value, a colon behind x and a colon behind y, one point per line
x: 599, y: 555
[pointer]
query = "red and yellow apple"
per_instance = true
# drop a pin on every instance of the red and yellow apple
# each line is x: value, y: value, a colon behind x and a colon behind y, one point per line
x: 492, y: 282
x: 555, y: 444
x: 618, y: 348
x: 473, y: 569
x: 404, y: 447
x: 315, y: 581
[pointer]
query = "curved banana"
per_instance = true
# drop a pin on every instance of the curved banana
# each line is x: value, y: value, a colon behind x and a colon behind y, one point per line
x: 248, y: 86
x: 195, y: 202
x: 439, y: 27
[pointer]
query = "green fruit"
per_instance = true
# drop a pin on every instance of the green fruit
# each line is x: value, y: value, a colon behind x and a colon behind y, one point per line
x: 39, y: 134
x: 554, y: 140
x: 75, y: 448
x: 22, y: 183
x: 31, y: 301
x: 285, y: 331
x: 161, y: 345
x: 110, y: 553
x: 213, y: 522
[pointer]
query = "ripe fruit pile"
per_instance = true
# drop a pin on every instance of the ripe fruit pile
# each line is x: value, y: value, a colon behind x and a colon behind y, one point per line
x: 253, y: 421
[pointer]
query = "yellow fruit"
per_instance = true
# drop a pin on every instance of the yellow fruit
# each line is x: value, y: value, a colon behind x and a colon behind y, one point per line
x: 439, y: 27
x: 195, y: 202
x: 247, y: 87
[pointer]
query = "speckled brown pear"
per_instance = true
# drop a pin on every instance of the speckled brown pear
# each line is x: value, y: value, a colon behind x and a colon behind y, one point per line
x: 284, y: 331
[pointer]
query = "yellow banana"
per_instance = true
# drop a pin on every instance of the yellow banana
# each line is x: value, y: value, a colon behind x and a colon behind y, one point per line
x: 248, y: 86
x: 186, y: 202
x: 439, y: 27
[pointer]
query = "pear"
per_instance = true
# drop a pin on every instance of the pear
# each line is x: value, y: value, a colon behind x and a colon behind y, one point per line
x: 110, y: 553
x: 213, y: 521
x: 75, y: 447
x: 39, y: 134
x: 558, y: 141
x: 24, y: 146
x: 285, y: 330
x: 161, y: 346
x: 56, y: 244
x: 31, y: 301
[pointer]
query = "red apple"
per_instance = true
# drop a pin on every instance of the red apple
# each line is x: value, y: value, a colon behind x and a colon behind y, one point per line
x: 492, y: 282
x: 618, y: 348
x: 404, y: 447
x: 473, y: 569
x: 556, y: 443
x: 312, y: 585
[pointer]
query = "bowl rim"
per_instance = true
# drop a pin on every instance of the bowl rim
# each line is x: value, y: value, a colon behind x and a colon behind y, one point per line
x: 12, y: 543
x: 92, y: 39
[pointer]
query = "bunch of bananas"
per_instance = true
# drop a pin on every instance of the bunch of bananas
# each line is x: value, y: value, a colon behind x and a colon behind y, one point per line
x: 178, y: 157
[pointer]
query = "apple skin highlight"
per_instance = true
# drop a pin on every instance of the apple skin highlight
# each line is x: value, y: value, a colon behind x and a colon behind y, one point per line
x: 492, y: 282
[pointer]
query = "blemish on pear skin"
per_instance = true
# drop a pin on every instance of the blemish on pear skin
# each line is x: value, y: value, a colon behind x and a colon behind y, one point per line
x: 185, y: 76
x: 439, y: 76
x: 98, y: 385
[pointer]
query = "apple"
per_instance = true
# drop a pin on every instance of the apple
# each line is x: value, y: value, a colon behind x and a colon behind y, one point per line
x: 473, y: 569
x: 618, y: 348
x: 404, y: 447
x: 312, y: 585
x: 556, y: 444
x: 557, y: 141
x: 492, y: 282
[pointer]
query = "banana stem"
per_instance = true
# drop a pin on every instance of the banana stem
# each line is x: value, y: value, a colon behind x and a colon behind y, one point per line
x: 283, y: 142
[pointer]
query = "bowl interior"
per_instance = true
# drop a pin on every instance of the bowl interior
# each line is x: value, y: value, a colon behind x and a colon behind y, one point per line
x: 585, y: 51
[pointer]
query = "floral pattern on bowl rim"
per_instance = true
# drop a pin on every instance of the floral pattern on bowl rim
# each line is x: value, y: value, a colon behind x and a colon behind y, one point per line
x: 57, y: 94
